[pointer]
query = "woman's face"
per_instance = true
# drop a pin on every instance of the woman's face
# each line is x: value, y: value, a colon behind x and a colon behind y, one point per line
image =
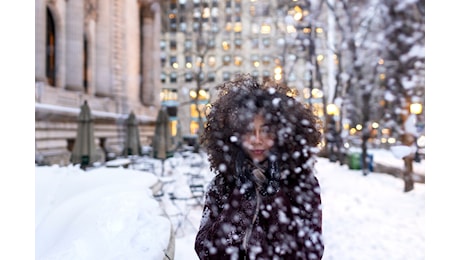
x: 258, y: 140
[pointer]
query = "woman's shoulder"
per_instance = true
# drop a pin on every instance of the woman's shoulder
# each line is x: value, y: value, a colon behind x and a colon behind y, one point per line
x: 219, y: 184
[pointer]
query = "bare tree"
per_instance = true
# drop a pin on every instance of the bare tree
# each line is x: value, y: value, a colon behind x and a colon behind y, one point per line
x: 358, y: 51
x: 405, y: 67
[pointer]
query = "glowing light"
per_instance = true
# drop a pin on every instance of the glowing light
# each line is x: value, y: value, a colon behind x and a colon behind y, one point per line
x: 332, y: 109
x: 416, y: 108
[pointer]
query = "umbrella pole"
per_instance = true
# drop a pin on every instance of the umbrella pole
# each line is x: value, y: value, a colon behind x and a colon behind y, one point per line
x: 162, y: 167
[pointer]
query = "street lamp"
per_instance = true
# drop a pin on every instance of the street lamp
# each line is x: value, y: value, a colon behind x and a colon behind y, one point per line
x: 332, y: 110
x: 415, y: 108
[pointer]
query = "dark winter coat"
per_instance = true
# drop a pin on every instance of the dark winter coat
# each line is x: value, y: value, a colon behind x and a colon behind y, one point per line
x: 287, y: 224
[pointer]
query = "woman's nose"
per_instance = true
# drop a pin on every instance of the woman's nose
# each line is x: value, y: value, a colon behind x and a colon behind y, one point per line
x: 256, y: 137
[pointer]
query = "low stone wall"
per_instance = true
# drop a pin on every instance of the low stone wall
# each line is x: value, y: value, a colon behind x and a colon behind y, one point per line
x: 397, y: 172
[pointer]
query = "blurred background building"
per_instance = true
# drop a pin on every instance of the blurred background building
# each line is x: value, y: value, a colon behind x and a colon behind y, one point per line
x: 137, y: 56
x: 105, y: 52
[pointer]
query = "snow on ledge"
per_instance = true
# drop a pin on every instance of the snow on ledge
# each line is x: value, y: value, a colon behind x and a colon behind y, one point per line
x: 97, y: 114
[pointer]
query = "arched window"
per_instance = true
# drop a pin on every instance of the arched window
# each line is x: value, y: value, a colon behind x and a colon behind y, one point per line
x: 50, y: 49
x: 85, y: 65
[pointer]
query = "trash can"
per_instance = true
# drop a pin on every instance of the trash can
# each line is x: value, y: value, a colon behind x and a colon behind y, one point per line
x: 354, y: 161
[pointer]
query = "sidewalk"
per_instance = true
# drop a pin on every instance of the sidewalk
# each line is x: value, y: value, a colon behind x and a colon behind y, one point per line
x: 385, y: 162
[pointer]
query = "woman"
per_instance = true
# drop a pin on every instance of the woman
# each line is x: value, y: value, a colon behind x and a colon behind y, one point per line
x: 264, y: 202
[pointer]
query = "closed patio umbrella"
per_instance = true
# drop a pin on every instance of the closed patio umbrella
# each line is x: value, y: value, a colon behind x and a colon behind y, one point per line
x: 84, y: 149
x: 162, y: 141
x: 132, y: 141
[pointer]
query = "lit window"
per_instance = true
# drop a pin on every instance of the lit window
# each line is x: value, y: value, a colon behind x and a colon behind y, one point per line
x: 228, y: 26
x: 255, y: 60
x: 238, y: 60
x: 225, y: 45
x: 265, y: 28
x: 212, y: 61
x: 168, y: 94
x: 173, y: 61
x: 320, y: 57
x: 238, y: 27
x: 188, y: 62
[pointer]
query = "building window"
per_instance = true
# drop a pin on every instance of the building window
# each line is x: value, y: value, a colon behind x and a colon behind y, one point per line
x: 238, y: 60
x: 188, y: 76
x: 182, y: 24
x: 201, y: 76
x: 173, y: 62
x: 226, y: 75
x: 211, y: 76
x: 172, y: 22
x: 226, y: 59
x: 173, y: 77
x: 255, y: 43
x: 188, y: 45
x: 50, y: 49
x: 188, y: 62
x: 212, y: 61
x: 173, y: 45
x: 168, y: 95
x: 198, y: 109
x: 163, y: 59
x: 266, y: 60
x: 255, y: 60
x: 212, y: 44
x: 266, y: 75
x: 238, y: 43
x: 255, y: 75
x: 266, y: 42
x: 292, y: 77
x: 225, y: 45
x: 163, y: 77
x: 238, y: 27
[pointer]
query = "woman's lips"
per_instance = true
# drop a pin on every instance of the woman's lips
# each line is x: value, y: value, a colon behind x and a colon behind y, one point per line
x: 258, y: 152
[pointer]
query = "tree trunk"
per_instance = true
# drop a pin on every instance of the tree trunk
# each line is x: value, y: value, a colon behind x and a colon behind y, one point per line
x: 408, y: 140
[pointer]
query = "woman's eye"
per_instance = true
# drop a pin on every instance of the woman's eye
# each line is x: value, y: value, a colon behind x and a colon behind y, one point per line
x: 265, y: 129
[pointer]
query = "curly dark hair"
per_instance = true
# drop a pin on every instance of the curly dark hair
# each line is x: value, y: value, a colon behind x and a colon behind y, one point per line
x: 239, y: 100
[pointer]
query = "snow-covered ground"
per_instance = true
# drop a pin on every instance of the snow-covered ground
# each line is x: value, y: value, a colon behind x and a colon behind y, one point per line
x: 110, y: 213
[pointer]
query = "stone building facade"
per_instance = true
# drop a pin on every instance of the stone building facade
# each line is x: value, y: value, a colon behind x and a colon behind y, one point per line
x: 105, y: 52
x: 125, y: 56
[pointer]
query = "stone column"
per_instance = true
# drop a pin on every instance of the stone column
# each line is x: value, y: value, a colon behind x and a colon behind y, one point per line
x: 156, y: 63
x: 40, y: 41
x: 117, y: 63
x: 74, y: 44
x: 147, y: 56
x: 103, y: 48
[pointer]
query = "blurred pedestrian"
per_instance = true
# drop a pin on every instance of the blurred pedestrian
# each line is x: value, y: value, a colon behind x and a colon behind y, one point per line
x: 264, y: 202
